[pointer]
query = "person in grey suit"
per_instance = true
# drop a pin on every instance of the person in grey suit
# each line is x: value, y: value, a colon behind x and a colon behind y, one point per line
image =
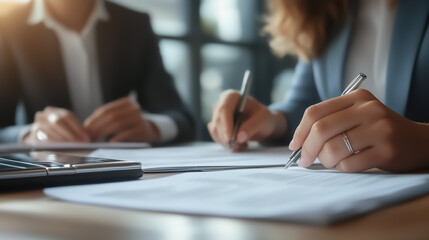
x: 383, y: 125
x: 72, y: 65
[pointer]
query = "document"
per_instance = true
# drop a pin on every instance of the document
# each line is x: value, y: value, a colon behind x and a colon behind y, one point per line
x: 13, y: 148
x: 299, y: 195
x: 198, y: 156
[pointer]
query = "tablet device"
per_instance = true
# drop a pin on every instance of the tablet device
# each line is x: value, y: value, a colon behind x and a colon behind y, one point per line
x: 43, y: 169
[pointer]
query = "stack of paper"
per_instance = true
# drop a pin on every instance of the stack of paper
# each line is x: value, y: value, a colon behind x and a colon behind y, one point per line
x: 198, y: 157
x: 314, y: 196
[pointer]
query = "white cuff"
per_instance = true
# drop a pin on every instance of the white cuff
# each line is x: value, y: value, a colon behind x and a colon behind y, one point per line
x: 166, y: 125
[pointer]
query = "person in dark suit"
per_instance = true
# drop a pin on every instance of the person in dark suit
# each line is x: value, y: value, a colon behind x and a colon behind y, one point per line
x: 72, y: 64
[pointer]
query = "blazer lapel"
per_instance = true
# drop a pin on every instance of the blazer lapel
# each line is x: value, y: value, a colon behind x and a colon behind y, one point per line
x: 335, y: 62
x: 409, y: 27
x: 332, y: 63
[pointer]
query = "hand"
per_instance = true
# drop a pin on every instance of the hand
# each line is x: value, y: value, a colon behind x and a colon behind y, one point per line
x: 55, y: 125
x: 379, y: 137
x: 121, y: 121
x: 259, y: 123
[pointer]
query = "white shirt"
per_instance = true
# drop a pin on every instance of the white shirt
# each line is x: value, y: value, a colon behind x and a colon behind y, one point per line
x: 370, y: 45
x: 81, y: 65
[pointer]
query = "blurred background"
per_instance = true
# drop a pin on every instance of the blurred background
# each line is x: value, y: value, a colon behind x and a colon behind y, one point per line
x: 207, y: 45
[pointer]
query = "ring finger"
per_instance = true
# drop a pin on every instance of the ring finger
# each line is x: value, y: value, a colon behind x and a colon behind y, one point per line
x: 335, y: 149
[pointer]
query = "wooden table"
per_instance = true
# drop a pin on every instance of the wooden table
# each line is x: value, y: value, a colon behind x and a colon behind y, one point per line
x: 32, y: 215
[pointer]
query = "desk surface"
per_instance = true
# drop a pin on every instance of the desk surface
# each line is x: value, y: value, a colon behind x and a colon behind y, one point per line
x: 32, y: 214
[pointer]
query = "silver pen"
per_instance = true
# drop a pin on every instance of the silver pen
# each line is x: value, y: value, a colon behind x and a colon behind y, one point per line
x: 296, y: 155
x: 239, y: 111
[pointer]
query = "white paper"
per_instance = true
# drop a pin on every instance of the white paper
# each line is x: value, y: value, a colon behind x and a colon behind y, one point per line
x: 198, y: 156
x: 313, y: 196
x: 11, y: 148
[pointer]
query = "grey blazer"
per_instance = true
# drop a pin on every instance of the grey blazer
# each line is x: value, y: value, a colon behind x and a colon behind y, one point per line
x: 32, y: 72
x: 407, y: 90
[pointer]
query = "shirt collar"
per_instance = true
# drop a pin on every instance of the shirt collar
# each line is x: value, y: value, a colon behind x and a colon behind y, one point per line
x: 39, y: 14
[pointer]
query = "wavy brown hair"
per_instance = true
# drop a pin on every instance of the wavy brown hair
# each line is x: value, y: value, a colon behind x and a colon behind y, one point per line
x: 304, y: 27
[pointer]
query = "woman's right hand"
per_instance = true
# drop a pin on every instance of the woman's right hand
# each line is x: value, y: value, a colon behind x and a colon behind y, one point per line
x: 259, y: 122
x: 56, y: 125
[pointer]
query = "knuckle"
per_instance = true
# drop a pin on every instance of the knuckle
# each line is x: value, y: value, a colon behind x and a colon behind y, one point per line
x: 376, y: 108
x: 124, y: 100
x: 98, y: 111
x: 311, y: 113
x: 135, y: 110
x: 364, y: 94
x: 38, y: 116
x: 108, y: 114
x: 228, y: 92
x: 229, y: 95
x: 67, y: 114
x: 319, y: 128
x: 386, y: 127
x: 60, y: 121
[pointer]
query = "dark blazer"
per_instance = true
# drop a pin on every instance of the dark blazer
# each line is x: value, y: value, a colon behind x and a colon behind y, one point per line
x: 32, y: 72
x: 407, y: 86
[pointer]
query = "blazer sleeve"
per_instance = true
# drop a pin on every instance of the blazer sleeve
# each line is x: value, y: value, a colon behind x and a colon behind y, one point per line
x: 9, y: 94
x: 300, y: 96
x: 157, y: 92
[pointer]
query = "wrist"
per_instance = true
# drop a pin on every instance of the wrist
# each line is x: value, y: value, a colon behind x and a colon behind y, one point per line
x: 279, y: 125
x: 155, y: 133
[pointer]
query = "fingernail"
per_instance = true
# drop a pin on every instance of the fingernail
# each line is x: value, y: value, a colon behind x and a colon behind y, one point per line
x: 301, y: 162
x: 242, y: 137
x: 292, y: 145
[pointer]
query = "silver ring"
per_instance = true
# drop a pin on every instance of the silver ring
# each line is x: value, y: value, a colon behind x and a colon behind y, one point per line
x: 348, y: 144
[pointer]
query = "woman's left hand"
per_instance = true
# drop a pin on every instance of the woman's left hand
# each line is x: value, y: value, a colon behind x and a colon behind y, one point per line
x: 121, y: 121
x: 380, y: 138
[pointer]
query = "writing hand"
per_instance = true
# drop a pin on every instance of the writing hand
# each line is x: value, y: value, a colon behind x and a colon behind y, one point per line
x: 259, y: 122
x: 380, y: 138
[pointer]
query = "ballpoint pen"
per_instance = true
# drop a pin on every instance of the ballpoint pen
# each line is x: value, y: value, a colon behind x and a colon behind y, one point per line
x: 239, y: 111
x: 296, y: 155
